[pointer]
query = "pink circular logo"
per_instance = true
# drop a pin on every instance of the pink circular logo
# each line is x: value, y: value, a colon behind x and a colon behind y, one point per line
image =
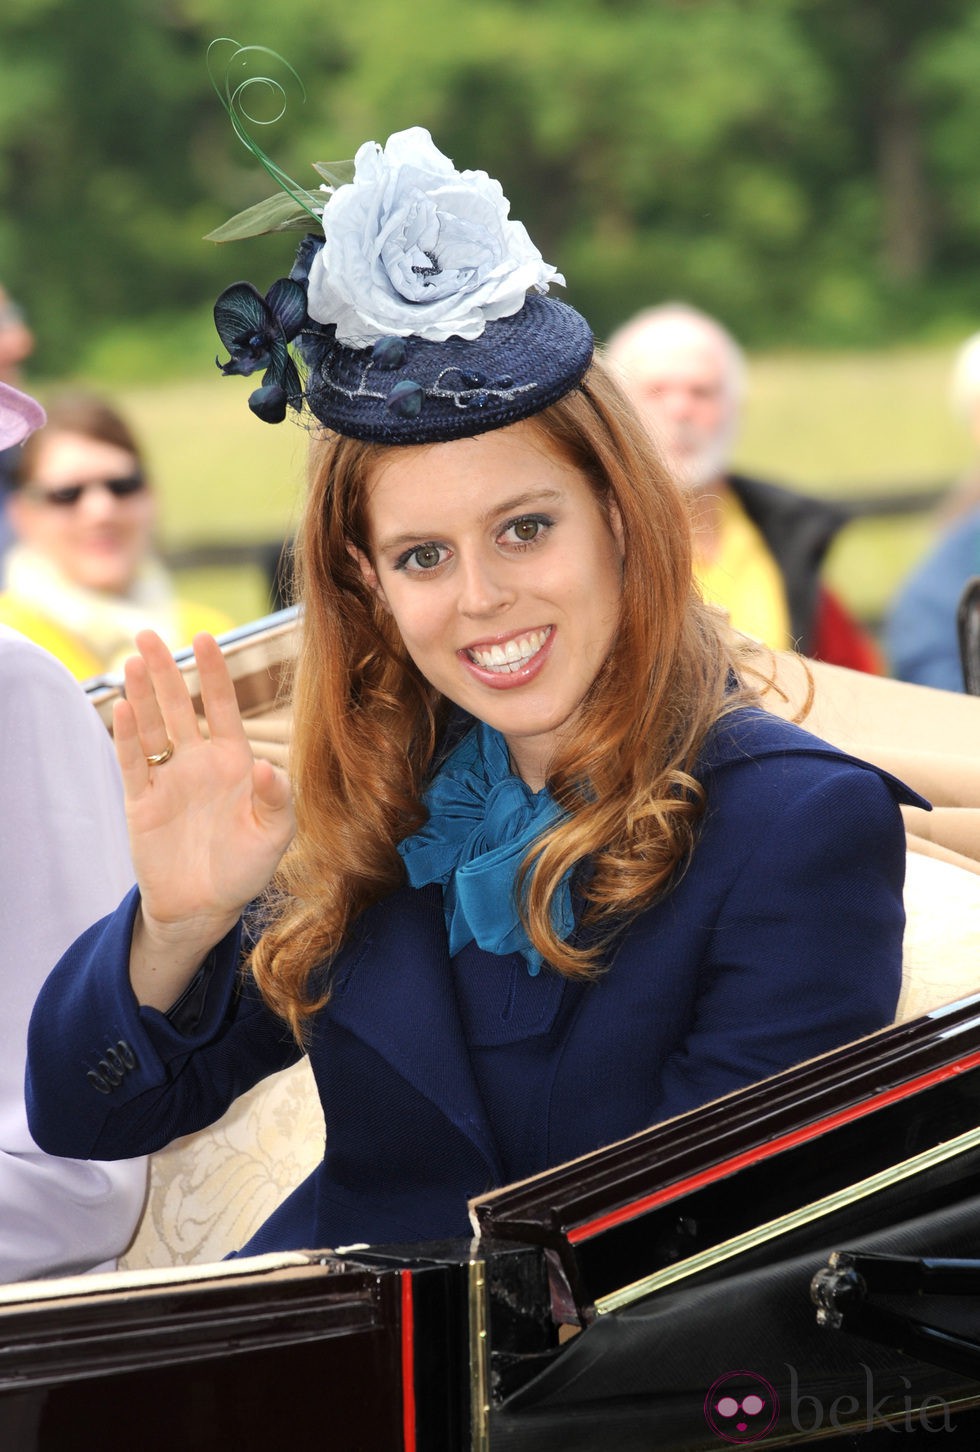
x: 741, y: 1406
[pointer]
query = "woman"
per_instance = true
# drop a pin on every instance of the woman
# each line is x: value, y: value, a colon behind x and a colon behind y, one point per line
x: 553, y: 876
x: 63, y: 857
x: 83, y: 578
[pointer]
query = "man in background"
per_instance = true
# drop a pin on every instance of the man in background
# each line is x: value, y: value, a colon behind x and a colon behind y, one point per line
x: 921, y: 633
x: 759, y: 548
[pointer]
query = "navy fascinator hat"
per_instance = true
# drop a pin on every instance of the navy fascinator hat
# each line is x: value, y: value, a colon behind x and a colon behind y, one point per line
x: 417, y: 311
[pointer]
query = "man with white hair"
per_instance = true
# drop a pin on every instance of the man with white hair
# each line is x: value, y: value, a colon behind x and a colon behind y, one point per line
x: 758, y: 548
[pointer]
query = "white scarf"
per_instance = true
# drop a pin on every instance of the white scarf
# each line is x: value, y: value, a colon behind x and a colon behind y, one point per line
x: 105, y: 622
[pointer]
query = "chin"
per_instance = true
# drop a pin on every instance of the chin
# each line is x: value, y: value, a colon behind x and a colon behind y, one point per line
x: 108, y: 582
x: 527, y: 725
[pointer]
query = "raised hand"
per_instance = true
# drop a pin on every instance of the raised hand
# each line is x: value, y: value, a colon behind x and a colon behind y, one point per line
x: 208, y: 823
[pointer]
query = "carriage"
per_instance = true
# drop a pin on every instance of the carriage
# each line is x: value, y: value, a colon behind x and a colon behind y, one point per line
x: 793, y: 1263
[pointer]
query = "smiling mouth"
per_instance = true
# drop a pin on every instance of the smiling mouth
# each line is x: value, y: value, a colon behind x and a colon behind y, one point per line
x: 513, y: 655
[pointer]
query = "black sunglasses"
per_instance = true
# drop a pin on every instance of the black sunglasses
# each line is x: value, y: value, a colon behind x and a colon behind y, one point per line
x: 66, y: 495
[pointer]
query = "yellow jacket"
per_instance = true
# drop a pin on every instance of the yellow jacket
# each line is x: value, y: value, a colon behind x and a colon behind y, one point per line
x: 78, y: 654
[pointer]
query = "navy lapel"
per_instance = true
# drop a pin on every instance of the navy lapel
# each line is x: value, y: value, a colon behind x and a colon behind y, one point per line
x: 393, y: 988
x: 751, y: 732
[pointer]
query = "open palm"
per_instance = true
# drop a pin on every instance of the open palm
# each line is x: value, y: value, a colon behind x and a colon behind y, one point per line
x: 209, y: 824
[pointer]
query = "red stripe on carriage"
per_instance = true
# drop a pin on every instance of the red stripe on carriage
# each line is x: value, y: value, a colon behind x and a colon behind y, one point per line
x: 408, y: 1363
x: 589, y: 1228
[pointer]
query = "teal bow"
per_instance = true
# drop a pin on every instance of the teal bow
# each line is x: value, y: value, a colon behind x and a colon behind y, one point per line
x: 482, y: 820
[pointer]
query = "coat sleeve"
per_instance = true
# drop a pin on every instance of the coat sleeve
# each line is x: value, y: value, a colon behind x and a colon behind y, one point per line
x: 108, y: 1078
x: 805, y: 950
x: 64, y: 859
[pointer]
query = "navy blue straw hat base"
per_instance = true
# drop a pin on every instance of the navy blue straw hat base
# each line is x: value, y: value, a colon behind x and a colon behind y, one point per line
x: 411, y: 391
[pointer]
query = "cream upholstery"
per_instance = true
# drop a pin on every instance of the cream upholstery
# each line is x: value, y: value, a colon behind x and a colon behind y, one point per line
x: 210, y: 1191
x: 942, y: 935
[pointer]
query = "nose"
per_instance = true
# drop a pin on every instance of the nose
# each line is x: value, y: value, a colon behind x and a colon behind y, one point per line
x: 677, y: 404
x: 97, y: 502
x: 484, y: 588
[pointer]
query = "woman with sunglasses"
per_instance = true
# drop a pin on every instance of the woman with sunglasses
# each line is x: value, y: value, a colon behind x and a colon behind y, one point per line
x: 82, y: 578
x: 552, y: 875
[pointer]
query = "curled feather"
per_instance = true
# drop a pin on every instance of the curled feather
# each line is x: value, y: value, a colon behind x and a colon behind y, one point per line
x: 236, y: 93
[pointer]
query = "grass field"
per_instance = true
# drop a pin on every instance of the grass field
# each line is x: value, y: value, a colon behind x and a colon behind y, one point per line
x: 827, y: 424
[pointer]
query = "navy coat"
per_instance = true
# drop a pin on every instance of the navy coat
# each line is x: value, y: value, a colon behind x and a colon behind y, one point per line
x: 782, y: 939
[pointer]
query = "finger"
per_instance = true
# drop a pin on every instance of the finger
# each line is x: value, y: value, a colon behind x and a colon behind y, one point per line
x: 165, y: 696
x: 146, y: 714
x: 218, y: 691
x: 129, y: 751
x: 270, y: 787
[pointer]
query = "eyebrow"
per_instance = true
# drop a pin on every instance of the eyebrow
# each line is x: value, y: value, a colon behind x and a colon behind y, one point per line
x: 506, y: 506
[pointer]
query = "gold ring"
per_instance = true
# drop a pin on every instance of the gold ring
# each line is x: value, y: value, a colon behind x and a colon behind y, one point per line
x: 159, y: 757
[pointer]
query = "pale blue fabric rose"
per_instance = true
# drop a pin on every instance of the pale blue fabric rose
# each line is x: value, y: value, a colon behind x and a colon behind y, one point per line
x: 415, y: 248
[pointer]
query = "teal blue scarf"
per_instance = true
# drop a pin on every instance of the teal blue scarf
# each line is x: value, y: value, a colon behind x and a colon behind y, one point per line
x: 482, y: 820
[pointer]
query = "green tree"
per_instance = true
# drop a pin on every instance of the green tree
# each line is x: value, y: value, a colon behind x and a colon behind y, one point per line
x: 804, y: 168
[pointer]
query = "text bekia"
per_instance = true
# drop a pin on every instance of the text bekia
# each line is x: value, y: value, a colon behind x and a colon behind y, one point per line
x: 742, y: 1407
x: 902, y: 1412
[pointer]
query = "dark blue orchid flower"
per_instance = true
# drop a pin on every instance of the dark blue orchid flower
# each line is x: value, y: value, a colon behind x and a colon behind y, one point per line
x: 257, y: 332
x: 305, y: 253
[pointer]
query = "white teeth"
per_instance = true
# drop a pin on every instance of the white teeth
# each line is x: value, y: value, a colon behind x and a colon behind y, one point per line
x: 513, y: 655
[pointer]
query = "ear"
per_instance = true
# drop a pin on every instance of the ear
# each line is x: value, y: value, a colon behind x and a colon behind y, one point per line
x: 368, y: 573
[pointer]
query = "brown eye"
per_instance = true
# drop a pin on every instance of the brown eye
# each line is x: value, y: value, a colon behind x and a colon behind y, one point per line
x: 526, y: 529
x: 426, y: 557
x: 422, y: 559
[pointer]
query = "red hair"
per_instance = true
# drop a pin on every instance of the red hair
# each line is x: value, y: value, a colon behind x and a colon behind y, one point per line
x: 366, y: 723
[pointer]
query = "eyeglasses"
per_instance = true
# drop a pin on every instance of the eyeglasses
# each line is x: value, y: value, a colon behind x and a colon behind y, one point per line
x: 65, y: 496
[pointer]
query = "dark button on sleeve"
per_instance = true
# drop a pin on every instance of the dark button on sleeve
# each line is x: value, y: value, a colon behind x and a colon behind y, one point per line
x: 116, y: 1062
x: 112, y: 1068
x: 109, y: 1071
